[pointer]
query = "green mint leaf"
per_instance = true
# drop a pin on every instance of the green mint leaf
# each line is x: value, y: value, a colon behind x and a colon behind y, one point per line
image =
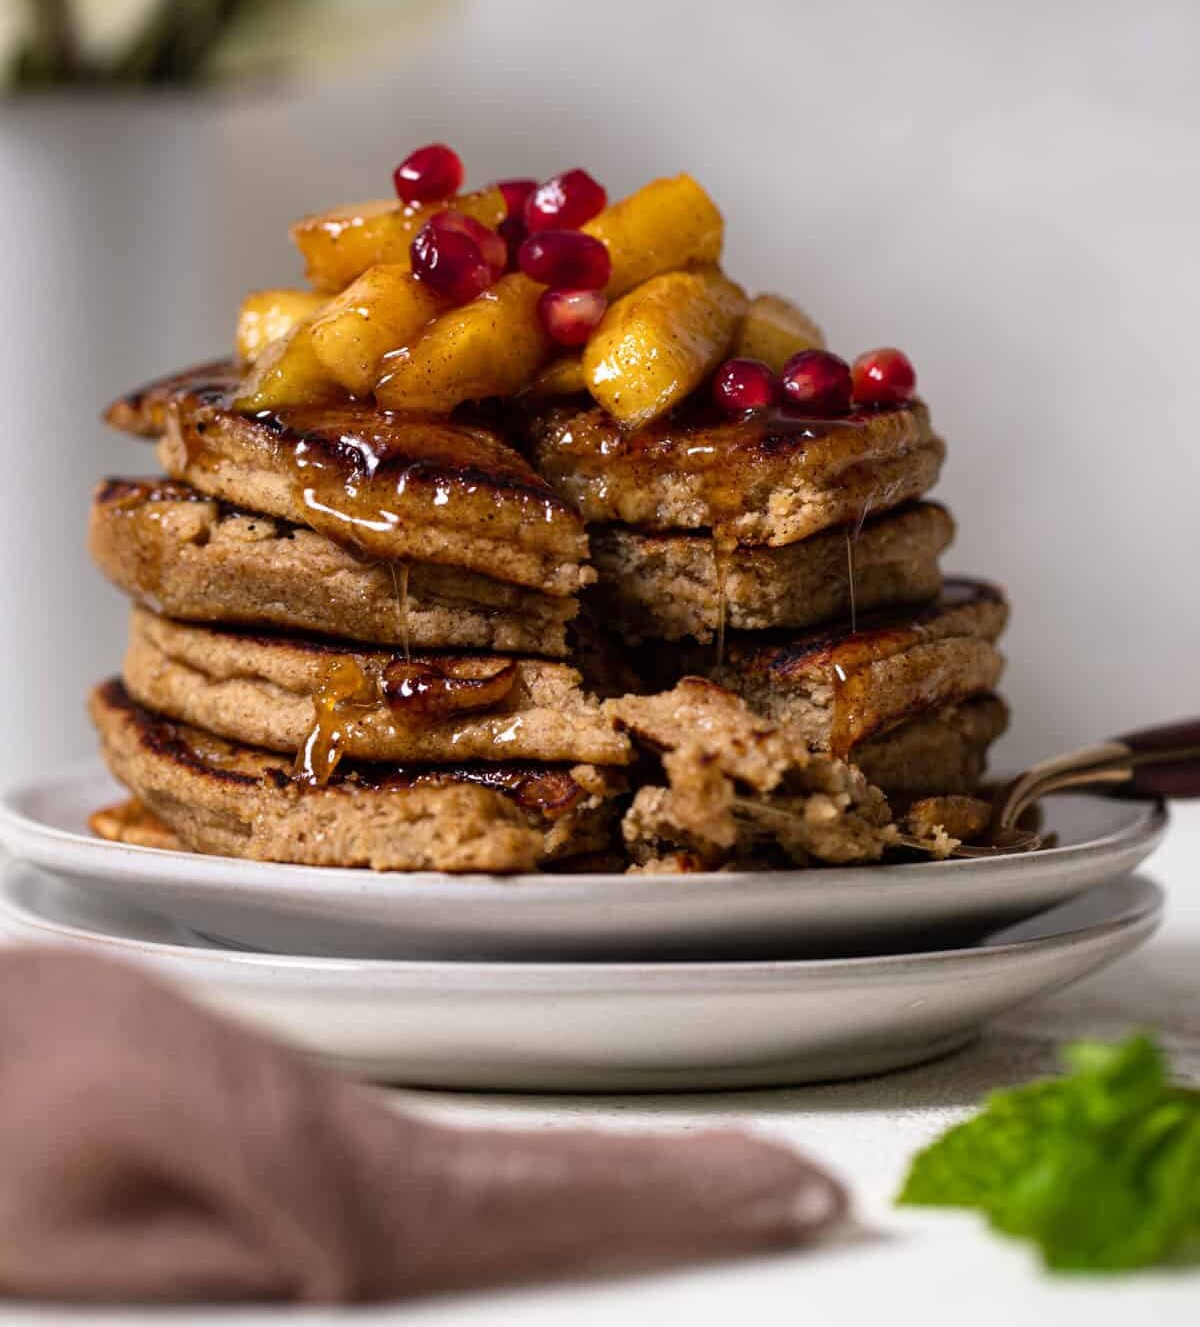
x: 984, y: 1157
x: 1101, y: 1168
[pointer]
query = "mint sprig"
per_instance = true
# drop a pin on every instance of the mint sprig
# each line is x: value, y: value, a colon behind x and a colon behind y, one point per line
x: 1100, y: 1168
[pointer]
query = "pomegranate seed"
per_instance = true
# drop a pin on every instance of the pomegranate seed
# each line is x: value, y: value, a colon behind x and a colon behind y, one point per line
x: 569, y: 315
x: 491, y: 244
x: 566, y: 258
x: 513, y: 231
x: 428, y: 173
x: 817, y: 381
x: 512, y: 228
x: 564, y: 202
x: 516, y: 194
x: 884, y: 377
x: 451, y: 263
x: 744, y: 384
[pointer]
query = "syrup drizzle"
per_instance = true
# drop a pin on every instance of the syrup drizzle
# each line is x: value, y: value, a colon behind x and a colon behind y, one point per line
x: 400, y: 587
x: 725, y: 484
x: 353, y: 687
x: 723, y: 551
x: 850, y: 542
x: 341, y: 683
x: 849, y: 649
x: 365, y: 478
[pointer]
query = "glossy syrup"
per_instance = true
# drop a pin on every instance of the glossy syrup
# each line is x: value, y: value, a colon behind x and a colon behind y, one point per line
x: 725, y: 483
x: 400, y: 586
x: 364, y: 477
x: 435, y: 688
x: 412, y: 690
x: 847, y: 650
x: 343, y: 686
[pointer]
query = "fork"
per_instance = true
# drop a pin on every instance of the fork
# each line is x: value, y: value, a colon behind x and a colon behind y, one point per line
x: 1149, y: 765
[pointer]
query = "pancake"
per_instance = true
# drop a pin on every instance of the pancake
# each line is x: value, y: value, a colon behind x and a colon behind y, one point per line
x: 668, y: 586
x: 396, y: 487
x: 738, y: 785
x: 940, y: 753
x: 325, y: 701
x: 767, y: 479
x: 234, y: 800
x: 172, y: 549
x: 840, y: 686
x: 962, y: 819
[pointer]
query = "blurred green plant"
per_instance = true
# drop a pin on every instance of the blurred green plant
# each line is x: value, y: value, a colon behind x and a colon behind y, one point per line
x: 163, y: 43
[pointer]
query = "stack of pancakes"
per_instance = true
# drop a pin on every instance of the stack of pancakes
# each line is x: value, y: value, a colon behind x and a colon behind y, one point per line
x: 356, y: 638
x: 793, y: 561
x: 350, y: 642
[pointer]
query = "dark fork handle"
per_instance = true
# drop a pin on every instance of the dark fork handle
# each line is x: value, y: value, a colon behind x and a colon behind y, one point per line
x: 1166, y: 762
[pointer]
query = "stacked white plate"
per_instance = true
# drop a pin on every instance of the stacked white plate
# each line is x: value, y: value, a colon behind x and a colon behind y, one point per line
x: 592, y: 983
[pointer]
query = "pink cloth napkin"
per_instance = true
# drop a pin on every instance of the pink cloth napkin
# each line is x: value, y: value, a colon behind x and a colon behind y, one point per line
x: 150, y: 1151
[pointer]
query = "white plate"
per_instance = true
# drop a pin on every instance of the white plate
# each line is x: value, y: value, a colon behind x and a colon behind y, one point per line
x: 607, y: 1026
x: 310, y: 910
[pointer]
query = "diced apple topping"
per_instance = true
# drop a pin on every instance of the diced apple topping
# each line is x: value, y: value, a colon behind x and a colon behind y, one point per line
x: 288, y: 373
x: 774, y: 330
x: 492, y: 346
x: 410, y: 304
x: 668, y: 224
x: 339, y: 245
x: 561, y: 377
x: 657, y: 344
x: 266, y: 315
x: 385, y: 309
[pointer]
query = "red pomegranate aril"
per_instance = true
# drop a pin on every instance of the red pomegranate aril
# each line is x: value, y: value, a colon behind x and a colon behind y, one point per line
x: 428, y: 174
x: 450, y: 263
x: 491, y: 243
x: 744, y: 384
x: 564, y: 202
x: 817, y: 382
x: 883, y: 377
x: 566, y: 258
x: 516, y: 194
x: 569, y: 316
x: 513, y: 231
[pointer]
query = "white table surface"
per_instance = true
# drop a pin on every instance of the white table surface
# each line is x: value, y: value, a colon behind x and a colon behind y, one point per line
x: 928, y: 1267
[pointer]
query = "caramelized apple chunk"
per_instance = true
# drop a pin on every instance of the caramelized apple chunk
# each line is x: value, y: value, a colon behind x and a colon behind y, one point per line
x: 339, y: 245
x: 657, y: 344
x: 492, y: 346
x: 386, y: 309
x: 266, y: 315
x: 561, y: 377
x: 774, y: 330
x: 288, y: 373
x: 668, y: 224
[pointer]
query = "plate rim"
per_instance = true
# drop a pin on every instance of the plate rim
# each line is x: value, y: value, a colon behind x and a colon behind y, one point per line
x: 284, y: 879
x: 1144, y: 910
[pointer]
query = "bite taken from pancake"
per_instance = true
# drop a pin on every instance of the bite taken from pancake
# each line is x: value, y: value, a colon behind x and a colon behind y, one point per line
x: 521, y: 536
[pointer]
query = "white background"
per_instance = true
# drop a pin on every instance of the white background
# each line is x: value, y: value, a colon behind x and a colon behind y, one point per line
x: 1009, y: 191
